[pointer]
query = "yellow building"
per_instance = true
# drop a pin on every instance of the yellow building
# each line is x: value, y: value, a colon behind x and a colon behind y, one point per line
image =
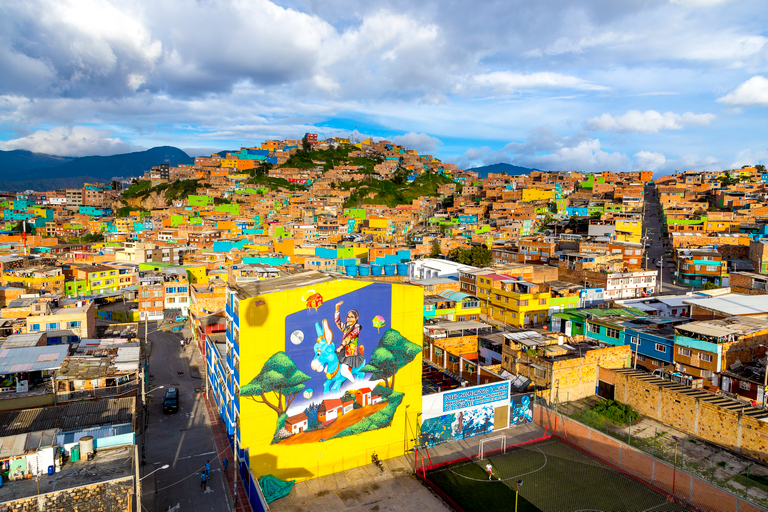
x: 517, y: 303
x: 534, y: 194
x: 629, y: 230
x: 299, y: 409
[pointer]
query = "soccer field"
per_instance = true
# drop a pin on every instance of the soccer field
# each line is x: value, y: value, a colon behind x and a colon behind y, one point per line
x: 556, y: 478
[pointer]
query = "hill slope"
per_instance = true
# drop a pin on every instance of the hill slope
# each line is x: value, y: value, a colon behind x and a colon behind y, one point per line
x: 512, y: 170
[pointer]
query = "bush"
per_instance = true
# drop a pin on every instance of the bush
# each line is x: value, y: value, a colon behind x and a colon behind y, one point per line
x: 616, y: 411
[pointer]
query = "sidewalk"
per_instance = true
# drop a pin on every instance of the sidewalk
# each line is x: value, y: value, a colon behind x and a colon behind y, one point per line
x: 219, y: 433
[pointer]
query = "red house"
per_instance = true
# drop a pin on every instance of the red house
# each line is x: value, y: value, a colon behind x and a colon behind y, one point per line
x: 330, y: 410
x: 363, y: 396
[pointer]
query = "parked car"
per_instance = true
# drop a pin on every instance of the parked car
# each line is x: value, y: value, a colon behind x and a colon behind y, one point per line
x: 171, y: 401
x: 658, y: 264
x: 180, y: 319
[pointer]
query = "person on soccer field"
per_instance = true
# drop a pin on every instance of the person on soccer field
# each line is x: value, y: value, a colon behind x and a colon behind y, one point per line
x: 489, y: 469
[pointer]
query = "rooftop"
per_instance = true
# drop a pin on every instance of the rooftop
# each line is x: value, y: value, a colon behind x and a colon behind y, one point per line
x: 75, y: 416
x: 29, y: 359
x: 107, y: 465
x: 734, y: 304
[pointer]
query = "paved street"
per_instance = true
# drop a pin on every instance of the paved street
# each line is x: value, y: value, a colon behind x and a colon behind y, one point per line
x: 652, y: 228
x: 183, y: 440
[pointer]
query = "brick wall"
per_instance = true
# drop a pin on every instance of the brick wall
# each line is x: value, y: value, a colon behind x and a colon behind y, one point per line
x: 694, y: 412
x: 111, y: 496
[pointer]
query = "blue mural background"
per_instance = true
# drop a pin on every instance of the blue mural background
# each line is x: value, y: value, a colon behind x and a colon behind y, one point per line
x: 369, y: 301
x: 520, y: 409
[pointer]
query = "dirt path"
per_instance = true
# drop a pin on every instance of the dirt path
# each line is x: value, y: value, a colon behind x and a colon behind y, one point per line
x: 337, y: 426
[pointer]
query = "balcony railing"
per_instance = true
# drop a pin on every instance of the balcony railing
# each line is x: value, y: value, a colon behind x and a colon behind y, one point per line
x: 86, y: 394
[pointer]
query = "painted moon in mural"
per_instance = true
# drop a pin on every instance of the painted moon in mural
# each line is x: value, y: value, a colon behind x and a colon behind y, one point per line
x: 307, y: 393
x: 297, y: 337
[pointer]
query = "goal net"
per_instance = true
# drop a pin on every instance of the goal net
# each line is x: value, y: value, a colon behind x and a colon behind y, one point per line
x: 497, y: 444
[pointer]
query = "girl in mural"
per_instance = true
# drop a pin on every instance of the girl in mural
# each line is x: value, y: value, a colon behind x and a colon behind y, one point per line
x: 353, y: 353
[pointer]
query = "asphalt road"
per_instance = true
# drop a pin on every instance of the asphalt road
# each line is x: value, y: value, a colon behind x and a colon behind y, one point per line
x: 652, y: 228
x: 182, y: 440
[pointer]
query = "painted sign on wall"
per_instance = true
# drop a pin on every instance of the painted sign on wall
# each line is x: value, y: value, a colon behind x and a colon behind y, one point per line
x: 467, y: 412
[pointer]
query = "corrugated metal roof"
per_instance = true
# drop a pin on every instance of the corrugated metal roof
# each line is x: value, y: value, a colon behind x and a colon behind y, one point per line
x: 28, y: 359
x: 456, y: 296
x: 76, y: 416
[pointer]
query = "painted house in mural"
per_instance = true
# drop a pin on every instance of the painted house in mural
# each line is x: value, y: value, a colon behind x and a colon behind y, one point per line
x: 318, y: 372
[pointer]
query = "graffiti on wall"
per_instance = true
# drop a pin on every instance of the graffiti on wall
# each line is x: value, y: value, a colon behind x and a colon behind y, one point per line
x: 336, y: 376
x: 521, y: 409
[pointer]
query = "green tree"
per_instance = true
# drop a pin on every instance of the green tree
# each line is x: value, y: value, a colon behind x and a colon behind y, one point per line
x: 480, y: 256
x: 279, y: 376
x: 305, y: 145
x: 760, y: 168
x: 710, y: 286
x: 436, y: 250
x: 393, y: 352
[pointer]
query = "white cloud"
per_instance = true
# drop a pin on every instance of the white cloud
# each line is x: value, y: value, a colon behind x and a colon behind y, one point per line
x: 70, y: 141
x: 699, y: 3
x: 649, y: 160
x: 752, y: 93
x: 421, y: 142
x: 502, y: 83
x: 649, y: 121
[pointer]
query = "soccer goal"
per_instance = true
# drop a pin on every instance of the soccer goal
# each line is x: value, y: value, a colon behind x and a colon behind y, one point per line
x: 494, y: 444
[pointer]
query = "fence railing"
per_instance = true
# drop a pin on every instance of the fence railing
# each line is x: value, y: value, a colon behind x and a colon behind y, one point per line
x: 85, y: 394
x: 652, y: 460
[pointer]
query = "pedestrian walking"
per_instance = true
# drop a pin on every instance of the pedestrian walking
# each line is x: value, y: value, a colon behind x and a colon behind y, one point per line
x: 203, y: 480
x: 182, y: 344
x: 208, y: 468
x: 225, y: 463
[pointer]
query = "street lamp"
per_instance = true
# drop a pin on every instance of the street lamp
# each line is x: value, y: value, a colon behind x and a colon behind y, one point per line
x: 517, y: 491
x: 674, y: 470
x: 166, y: 466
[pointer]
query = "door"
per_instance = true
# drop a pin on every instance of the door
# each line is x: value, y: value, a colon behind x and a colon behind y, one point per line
x: 605, y: 390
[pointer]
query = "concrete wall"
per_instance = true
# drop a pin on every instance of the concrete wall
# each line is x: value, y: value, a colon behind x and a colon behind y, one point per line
x: 714, y: 419
x: 110, y: 496
x: 641, y: 466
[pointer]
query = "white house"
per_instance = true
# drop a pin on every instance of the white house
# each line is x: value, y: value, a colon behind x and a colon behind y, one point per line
x: 430, y: 268
x: 297, y: 423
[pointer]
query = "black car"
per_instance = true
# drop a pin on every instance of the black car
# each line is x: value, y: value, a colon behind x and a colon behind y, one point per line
x: 171, y: 401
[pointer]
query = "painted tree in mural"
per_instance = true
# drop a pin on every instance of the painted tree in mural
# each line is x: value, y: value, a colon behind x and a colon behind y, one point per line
x: 393, y: 352
x: 279, y: 376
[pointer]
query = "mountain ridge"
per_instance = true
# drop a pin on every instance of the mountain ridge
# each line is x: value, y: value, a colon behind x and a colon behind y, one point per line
x: 24, y: 170
x: 502, y: 167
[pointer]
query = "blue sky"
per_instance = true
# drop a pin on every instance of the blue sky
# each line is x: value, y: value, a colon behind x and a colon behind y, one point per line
x: 557, y: 85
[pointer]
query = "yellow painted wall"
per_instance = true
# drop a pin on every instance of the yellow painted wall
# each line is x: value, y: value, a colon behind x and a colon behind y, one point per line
x: 264, y: 326
x: 533, y: 194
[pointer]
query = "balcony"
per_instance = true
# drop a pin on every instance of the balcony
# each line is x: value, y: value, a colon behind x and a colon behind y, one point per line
x: 107, y: 391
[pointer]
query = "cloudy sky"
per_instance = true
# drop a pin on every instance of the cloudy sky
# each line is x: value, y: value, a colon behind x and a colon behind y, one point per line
x: 559, y: 84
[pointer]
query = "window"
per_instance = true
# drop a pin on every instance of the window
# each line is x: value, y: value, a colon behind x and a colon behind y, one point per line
x: 158, y: 303
x: 542, y: 302
x: 182, y: 289
x: 522, y: 302
x: 684, y: 352
x: 539, y: 374
x: 640, y: 357
x: 661, y: 348
x: 633, y: 340
x: 73, y: 325
x: 35, y: 327
x: 745, y: 385
x: 594, y: 328
x: 145, y: 294
x: 612, y: 333
x: 170, y: 289
x: 706, y: 357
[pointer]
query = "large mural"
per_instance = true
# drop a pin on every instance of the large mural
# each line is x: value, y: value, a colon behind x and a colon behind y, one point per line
x: 342, y: 369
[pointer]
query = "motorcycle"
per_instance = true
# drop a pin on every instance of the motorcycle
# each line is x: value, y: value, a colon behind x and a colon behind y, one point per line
x: 377, y: 461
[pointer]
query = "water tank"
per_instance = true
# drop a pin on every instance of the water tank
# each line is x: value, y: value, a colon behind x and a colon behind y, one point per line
x: 375, y: 270
x: 74, y: 453
x: 351, y: 270
x: 365, y: 270
x: 86, y: 445
x: 402, y: 269
x: 389, y: 270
